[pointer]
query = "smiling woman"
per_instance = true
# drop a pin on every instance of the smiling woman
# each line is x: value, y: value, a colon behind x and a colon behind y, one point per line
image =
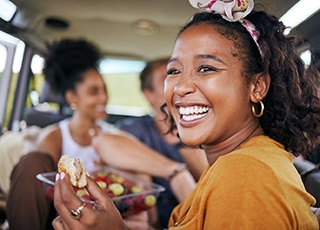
x: 235, y: 86
x: 231, y: 69
x: 112, y: 26
x: 71, y: 69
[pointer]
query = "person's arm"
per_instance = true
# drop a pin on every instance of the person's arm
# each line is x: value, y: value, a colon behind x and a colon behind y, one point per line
x: 127, y: 153
x: 50, y: 141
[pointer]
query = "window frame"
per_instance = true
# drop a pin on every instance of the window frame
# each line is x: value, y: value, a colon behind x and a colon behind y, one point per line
x: 6, y: 79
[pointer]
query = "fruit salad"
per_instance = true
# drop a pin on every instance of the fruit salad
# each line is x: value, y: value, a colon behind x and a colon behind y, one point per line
x: 129, y: 196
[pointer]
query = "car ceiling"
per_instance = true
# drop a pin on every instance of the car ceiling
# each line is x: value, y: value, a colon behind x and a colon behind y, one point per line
x: 109, y: 23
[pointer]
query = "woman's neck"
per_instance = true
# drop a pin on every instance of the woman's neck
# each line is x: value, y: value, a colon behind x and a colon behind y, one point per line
x: 214, y: 151
x: 79, y: 129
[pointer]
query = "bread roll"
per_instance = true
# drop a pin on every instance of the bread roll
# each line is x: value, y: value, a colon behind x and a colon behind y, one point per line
x: 74, y: 168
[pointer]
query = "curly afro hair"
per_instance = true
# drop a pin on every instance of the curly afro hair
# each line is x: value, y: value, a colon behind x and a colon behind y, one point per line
x: 292, y: 105
x: 66, y: 61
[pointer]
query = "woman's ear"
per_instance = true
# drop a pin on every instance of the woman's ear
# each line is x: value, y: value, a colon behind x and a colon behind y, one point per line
x: 259, y: 86
x: 69, y: 97
x: 149, y: 95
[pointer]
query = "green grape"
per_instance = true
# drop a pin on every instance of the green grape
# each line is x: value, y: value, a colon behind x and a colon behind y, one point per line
x: 150, y: 200
x: 135, y: 189
x: 102, y: 184
x: 116, y: 188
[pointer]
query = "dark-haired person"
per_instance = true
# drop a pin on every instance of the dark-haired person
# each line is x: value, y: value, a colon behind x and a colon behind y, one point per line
x: 152, y: 131
x: 71, y: 70
x: 258, y: 107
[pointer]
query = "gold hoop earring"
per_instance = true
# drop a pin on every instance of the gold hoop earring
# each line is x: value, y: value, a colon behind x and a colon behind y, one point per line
x: 73, y: 106
x: 261, y: 110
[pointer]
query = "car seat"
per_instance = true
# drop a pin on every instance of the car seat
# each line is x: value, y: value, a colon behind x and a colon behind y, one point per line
x: 41, y: 115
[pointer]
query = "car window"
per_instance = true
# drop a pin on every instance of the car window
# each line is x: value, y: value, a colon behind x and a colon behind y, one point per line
x: 122, y: 78
x: 7, y: 78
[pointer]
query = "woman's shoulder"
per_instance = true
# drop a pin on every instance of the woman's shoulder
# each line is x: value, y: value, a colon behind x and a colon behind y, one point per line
x: 260, y: 142
x: 239, y: 162
x: 50, y: 134
x: 259, y: 159
x: 258, y: 152
x: 50, y: 141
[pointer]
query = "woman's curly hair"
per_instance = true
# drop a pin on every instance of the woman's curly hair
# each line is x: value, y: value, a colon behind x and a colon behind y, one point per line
x: 292, y: 106
x: 66, y: 61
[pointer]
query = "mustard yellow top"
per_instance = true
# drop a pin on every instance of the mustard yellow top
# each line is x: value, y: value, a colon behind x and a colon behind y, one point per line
x: 254, y: 187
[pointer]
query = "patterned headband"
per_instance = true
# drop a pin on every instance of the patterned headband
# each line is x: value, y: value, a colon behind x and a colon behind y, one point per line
x: 232, y: 11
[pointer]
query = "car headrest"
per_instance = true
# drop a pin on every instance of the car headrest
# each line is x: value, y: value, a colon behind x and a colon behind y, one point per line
x: 47, y: 95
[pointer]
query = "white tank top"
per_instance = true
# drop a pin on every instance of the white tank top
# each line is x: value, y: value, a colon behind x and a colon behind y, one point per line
x: 87, y: 154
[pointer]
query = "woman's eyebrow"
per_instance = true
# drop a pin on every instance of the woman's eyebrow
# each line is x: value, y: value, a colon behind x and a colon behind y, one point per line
x: 172, y: 60
x: 208, y: 56
x: 201, y: 56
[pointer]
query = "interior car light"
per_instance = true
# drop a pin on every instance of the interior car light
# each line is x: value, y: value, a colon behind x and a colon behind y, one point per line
x: 8, y: 9
x: 302, y: 10
x: 145, y: 27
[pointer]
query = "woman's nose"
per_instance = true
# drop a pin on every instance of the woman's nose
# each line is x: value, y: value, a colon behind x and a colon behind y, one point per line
x: 184, y: 86
x: 104, y: 97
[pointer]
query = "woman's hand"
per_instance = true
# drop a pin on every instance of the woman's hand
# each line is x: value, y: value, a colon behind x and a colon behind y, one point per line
x: 103, y: 215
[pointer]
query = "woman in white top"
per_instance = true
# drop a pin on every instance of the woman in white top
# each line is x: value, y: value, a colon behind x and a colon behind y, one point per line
x: 71, y: 70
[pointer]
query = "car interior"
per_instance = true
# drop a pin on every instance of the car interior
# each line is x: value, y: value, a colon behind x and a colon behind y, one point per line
x: 129, y: 33
x: 124, y: 30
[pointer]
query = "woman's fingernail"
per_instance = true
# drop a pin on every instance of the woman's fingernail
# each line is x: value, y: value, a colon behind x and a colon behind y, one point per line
x: 87, y: 174
x: 62, y: 175
x: 57, y: 176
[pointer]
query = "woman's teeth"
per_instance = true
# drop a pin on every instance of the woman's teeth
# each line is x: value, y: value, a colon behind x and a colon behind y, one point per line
x: 193, y: 112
